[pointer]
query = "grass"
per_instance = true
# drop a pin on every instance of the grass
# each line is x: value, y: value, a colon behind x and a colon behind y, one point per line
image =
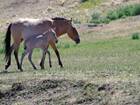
x: 99, y: 59
x: 86, y: 4
x: 124, y: 11
x: 116, y: 57
x: 114, y: 61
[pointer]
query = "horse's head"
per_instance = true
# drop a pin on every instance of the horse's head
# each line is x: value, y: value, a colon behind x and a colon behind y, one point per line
x: 72, y: 33
x: 65, y: 26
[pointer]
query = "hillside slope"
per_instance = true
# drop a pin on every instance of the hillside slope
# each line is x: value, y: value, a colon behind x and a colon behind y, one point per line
x: 80, y: 11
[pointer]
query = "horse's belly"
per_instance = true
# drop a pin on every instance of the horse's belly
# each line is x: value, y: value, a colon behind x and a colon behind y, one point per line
x: 34, y: 29
x: 30, y: 32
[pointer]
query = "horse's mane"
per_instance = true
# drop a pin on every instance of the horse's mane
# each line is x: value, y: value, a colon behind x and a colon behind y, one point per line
x: 58, y: 18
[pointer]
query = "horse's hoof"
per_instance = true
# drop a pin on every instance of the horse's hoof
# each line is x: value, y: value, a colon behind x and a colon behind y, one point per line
x: 42, y: 67
x: 21, y: 70
x: 5, y: 71
x: 35, y: 68
x: 61, y: 66
x: 6, y: 67
x: 50, y: 66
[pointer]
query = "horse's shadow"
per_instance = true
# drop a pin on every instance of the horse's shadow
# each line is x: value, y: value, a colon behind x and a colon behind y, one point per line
x: 9, y: 72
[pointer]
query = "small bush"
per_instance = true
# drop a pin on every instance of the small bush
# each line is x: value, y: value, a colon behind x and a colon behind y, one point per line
x: 124, y: 11
x: 100, y: 20
x: 97, y: 18
x: 135, y: 36
x: 118, y: 13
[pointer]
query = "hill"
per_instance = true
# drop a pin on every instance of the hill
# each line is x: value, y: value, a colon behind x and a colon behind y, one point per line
x: 79, y: 10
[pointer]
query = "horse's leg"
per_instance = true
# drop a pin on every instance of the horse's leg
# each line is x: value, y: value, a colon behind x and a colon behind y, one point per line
x: 50, y: 64
x: 43, y: 59
x: 22, y: 57
x: 56, y: 52
x: 9, y: 59
x: 16, y: 57
x: 30, y: 59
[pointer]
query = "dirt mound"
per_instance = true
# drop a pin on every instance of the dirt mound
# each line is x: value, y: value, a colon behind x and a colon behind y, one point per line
x: 68, y: 92
x: 54, y: 92
x: 39, y: 92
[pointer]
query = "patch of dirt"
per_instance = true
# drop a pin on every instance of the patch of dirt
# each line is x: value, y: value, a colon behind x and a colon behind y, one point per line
x: 40, y: 92
x: 68, y: 92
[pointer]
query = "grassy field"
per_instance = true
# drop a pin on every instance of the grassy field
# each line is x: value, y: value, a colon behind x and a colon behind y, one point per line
x: 108, y: 65
x: 104, y: 69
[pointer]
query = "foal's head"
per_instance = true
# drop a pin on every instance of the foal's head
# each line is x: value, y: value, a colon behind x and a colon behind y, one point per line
x: 51, y: 35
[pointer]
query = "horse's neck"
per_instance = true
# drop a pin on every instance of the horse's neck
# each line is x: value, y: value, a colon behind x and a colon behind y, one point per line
x: 60, y: 28
x: 60, y: 32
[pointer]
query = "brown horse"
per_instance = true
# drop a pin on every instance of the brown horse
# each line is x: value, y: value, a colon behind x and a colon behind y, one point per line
x: 24, y: 28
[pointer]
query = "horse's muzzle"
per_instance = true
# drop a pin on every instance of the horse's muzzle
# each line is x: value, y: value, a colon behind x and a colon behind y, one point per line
x: 56, y: 41
x: 77, y: 41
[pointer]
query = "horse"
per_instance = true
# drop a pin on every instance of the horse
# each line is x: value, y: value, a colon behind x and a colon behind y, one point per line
x: 39, y: 41
x: 24, y: 28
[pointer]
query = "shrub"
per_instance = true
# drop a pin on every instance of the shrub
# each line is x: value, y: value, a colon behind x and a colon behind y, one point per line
x: 100, y: 20
x: 135, y: 36
x: 124, y: 11
x: 120, y: 12
x: 97, y: 18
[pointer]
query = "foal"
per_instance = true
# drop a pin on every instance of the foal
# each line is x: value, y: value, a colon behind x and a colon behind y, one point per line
x: 39, y: 41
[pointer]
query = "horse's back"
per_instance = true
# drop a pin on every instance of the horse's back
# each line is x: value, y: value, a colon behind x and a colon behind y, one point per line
x: 28, y: 27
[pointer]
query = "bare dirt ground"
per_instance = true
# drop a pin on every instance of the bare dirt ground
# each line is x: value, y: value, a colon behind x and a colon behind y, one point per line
x: 67, y: 92
x: 45, y: 92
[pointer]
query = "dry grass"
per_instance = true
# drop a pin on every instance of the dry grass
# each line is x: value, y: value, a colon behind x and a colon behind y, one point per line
x: 107, y: 61
x: 102, y: 70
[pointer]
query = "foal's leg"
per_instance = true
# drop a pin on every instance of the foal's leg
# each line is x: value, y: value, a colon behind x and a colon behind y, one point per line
x: 30, y: 59
x: 22, y: 57
x: 43, y: 59
x: 56, y: 52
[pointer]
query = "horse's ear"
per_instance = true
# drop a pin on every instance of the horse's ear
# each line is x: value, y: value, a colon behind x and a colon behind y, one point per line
x: 70, y: 21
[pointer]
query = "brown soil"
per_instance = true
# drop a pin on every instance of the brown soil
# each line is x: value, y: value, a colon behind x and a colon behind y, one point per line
x: 68, y: 92
x: 50, y: 92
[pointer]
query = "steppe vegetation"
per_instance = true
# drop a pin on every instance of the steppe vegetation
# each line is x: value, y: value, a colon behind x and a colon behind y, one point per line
x: 104, y: 69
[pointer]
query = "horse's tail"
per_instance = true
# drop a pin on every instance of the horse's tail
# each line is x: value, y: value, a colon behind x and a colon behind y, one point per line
x: 7, y: 43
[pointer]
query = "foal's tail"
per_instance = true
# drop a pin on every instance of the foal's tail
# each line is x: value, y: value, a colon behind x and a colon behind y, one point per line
x: 7, y: 41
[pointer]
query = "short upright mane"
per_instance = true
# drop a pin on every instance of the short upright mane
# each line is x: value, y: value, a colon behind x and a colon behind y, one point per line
x: 58, y: 18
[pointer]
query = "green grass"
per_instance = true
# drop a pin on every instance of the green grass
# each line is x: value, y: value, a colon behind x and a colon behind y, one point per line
x: 113, y: 61
x: 118, y: 57
x: 124, y: 11
x: 90, y: 3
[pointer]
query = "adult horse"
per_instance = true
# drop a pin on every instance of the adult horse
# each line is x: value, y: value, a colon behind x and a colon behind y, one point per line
x: 24, y: 28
